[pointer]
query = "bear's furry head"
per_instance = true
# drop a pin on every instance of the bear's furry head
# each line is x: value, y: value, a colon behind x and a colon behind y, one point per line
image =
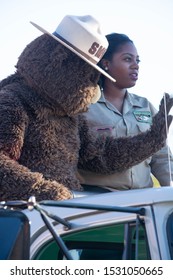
x: 59, y: 75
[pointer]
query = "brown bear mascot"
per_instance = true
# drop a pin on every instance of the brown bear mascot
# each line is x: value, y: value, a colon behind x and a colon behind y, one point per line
x: 44, y: 136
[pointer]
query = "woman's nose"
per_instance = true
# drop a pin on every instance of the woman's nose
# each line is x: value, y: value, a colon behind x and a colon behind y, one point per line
x: 135, y: 65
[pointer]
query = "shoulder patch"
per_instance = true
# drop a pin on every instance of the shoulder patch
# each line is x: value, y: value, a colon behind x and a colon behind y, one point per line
x: 143, y: 116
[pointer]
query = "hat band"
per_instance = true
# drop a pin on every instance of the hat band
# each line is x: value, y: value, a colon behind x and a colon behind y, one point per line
x: 76, y: 49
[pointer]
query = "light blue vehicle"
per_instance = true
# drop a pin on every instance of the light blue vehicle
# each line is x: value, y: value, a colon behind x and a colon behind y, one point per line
x: 129, y: 225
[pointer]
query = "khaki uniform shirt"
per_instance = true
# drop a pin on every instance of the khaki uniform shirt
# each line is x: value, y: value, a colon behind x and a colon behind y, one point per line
x: 136, y: 117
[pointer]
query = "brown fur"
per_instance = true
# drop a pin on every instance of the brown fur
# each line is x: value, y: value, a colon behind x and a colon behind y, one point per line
x: 44, y: 136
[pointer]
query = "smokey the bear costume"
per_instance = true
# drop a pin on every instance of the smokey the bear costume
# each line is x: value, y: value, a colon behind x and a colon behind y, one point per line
x: 44, y: 136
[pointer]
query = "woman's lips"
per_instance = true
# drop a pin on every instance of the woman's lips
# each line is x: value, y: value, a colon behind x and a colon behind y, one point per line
x: 134, y: 76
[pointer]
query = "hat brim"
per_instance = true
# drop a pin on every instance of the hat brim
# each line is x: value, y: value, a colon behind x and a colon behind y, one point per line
x: 74, y: 51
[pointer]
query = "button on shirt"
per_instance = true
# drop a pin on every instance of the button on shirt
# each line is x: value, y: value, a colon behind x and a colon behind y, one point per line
x: 135, y: 118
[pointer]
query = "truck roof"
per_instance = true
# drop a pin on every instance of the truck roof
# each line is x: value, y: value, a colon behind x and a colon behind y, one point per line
x: 133, y: 198
x: 136, y: 197
x: 139, y: 197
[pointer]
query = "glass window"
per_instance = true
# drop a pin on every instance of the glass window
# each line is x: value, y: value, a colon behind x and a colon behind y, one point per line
x: 169, y: 229
x: 14, y: 235
x: 111, y: 242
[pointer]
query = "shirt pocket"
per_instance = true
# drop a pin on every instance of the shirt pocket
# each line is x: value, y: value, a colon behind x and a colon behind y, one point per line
x: 105, y: 130
x: 142, y: 127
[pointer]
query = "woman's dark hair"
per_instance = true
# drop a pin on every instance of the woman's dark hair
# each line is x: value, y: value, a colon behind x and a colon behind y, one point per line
x: 115, y: 40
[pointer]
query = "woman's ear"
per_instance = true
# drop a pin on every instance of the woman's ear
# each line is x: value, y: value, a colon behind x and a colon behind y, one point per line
x: 104, y: 64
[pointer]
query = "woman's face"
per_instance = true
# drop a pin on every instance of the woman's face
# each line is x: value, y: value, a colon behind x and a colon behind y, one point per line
x: 124, y: 66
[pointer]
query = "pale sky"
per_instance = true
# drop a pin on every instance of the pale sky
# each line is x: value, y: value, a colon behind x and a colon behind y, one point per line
x: 149, y: 23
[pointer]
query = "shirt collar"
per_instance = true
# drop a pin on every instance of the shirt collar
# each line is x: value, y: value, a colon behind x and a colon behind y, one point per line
x: 102, y: 98
x: 133, y: 99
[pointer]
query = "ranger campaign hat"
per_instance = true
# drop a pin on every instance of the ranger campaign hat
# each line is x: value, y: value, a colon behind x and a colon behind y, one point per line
x: 81, y: 35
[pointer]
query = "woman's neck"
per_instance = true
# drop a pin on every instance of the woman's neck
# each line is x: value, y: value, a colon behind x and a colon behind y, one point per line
x: 115, y: 96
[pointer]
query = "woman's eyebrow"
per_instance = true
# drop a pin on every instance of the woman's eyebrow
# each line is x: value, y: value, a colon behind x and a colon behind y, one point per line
x: 132, y: 55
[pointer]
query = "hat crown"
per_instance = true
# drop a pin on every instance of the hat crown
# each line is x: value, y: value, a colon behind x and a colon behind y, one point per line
x: 84, y: 34
x: 81, y: 35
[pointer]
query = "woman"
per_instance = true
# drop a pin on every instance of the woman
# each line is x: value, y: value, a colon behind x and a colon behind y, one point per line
x: 120, y: 113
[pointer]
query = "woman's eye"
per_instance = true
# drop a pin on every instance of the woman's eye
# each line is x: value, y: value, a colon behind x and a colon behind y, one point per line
x: 128, y: 59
